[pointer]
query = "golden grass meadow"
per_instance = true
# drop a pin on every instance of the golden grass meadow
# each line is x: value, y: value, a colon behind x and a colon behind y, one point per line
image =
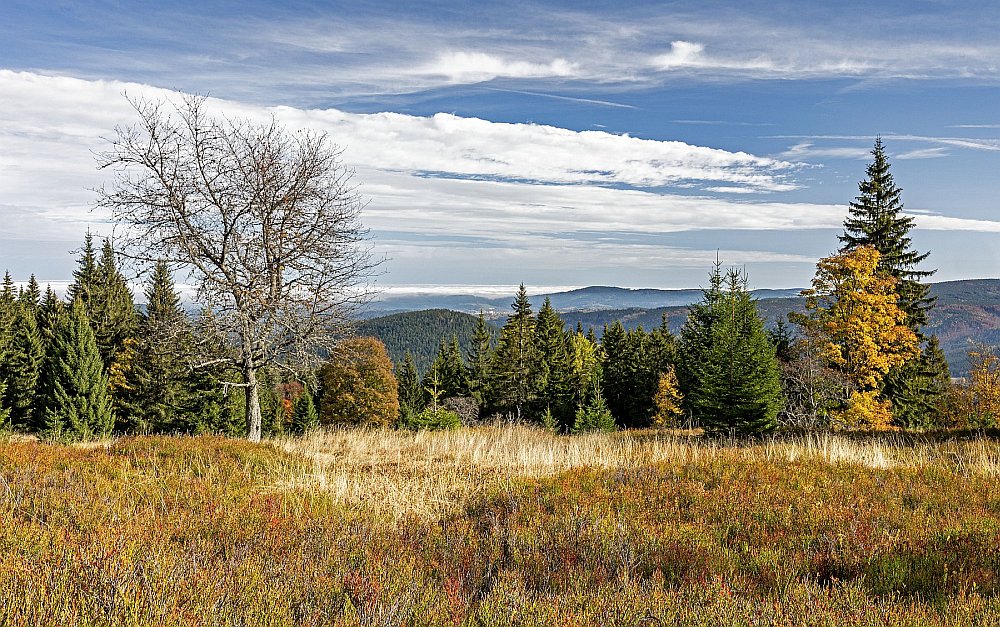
x: 501, y: 525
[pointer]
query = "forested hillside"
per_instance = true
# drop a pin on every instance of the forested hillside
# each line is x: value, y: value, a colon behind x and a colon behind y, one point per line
x: 967, y: 312
x: 420, y: 332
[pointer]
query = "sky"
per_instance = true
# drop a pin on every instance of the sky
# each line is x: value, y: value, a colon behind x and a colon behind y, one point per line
x: 557, y: 144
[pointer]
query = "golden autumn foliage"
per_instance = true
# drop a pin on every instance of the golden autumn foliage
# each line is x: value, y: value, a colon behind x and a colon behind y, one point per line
x: 866, y: 411
x: 855, y: 307
x: 358, y: 385
x: 976, y: 404
x: 667, y: 400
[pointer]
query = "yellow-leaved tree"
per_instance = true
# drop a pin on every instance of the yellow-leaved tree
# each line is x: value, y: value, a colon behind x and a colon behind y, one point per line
x: 852, y: 308
x: 667, y: 400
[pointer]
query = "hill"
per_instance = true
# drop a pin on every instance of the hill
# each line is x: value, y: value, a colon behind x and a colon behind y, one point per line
x: 967, y: 313
x: 595, y: 298
x: 419, y: 332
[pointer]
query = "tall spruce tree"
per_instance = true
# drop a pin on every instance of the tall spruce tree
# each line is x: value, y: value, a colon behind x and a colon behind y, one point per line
x: 74, y: 386
x: 556, y: 395
x: 7, y: 314
x: 516, y: 360
x: 630, y: 373
x: 480, y: 353
x: 732, y: 371
x: 86, y: 279
x: 160, y: 378
x: 455, y: 381
x: 48, y: 312
x: 875, y: 219
x: 31, y: 295
x: 112, y: 312
x: 22, y: 365
x: 410, y: 393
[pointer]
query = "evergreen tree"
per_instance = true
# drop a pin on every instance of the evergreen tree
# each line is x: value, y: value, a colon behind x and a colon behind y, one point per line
x: 304, y: 415
x: 662, y: 351
x: 594, y: 415
x: 21, y: 367
x: 782, y: 339
x: 918, y: 387
x: 633, y: 362
x: 7, y: 315
x: 74, y: 386
x: 8, y: 312
x: 410, y: 393
x: 448, y: 371
x: 615, y: 368
x: 160, y: 378
x: 113, y: 317
x: 31, y: 296
x: 556, y: 393
x: 516, y: 360
x: 86, y: 278
x: 455, y: 378
x: 480, y: 355
x: 735, y: 385
x: 48, y: 312
x: 696, y: 337
x: 112, y: 308
x: 875, y: 219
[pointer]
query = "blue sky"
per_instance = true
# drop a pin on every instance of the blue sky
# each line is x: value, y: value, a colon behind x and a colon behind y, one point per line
x: 558, y: 144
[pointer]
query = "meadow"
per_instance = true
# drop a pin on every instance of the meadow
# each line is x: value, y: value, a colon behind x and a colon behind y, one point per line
x: 501, y: 525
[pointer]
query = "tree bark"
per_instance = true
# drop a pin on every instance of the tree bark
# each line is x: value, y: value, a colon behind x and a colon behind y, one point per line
x: 253, y: 403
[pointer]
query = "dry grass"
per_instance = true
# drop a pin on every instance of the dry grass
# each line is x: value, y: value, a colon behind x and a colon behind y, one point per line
x: 431, y: 474
x: 500, y: 526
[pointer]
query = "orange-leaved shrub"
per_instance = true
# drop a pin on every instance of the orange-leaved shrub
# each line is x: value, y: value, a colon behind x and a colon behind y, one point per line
x: 358, y: 385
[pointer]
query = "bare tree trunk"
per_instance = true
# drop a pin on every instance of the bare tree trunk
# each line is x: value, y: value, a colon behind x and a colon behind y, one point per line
x: 253, y: 402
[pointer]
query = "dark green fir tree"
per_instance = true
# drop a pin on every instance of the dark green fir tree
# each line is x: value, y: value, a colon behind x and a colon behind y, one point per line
x: 21, y: 368
x: 160, y: 374
x: 734, y: 386
x: 516, y: 361
x: 74, y: 387
x: 556, y: 394
x: 480, y: 354
x: 410, y: 392
x: 305, y: 418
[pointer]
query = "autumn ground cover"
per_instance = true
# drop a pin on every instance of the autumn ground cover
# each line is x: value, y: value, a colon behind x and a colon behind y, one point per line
x: 501, y: 526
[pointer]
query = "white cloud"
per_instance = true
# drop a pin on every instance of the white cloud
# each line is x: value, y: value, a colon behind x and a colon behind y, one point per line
x: 478, y: 67
x: 808, y: 150
x: 923, y: 153
x: 463, y: 195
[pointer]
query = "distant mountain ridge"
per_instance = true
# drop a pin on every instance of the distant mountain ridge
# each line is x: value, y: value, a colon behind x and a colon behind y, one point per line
x: 967, y: 312
x: 594, y: 298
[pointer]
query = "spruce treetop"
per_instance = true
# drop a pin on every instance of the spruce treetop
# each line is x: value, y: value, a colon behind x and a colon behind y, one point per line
x: 875, y: 219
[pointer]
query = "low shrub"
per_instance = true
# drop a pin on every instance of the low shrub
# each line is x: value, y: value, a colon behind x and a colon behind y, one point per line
x: 431, y: 419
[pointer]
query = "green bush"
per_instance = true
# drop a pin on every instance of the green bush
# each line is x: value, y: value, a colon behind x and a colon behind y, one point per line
x: 430, y: 419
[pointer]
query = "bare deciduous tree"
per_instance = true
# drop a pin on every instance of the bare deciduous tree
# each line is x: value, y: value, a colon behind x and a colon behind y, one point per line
x: 266, y: 223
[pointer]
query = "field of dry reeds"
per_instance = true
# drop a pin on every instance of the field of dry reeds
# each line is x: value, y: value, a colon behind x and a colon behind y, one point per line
x: 501, y: 525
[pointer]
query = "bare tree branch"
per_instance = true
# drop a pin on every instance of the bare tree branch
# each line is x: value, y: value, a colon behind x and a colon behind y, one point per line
x: 265, y: 222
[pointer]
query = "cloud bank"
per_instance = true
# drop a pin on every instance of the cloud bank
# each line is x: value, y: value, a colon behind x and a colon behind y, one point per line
x: 452, y: 199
